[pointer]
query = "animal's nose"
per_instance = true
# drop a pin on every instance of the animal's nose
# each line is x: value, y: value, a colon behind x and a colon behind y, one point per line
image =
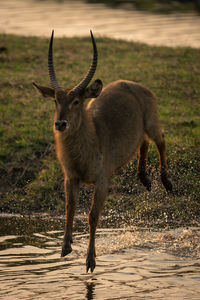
x: 61, y: 125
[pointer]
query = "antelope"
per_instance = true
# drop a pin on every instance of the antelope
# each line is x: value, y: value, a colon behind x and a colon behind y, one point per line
x: 95, y: 139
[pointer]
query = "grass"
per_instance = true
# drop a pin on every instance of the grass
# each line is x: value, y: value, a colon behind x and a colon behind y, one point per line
x: 31, y: 178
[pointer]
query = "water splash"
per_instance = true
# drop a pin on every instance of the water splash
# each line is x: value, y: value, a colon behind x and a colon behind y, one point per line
x: 131, y: 261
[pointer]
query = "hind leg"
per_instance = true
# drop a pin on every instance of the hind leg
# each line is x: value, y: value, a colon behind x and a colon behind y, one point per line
x: 141, y: 169
x: 161, y: 146
x: 155, y: 133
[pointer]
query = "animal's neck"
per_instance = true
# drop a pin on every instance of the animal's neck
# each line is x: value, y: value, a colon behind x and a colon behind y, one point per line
x: 85, y: 135
x: 78, y: 147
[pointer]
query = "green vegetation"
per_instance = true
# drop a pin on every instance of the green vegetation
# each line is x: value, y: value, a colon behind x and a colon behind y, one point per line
x: 31, y: 178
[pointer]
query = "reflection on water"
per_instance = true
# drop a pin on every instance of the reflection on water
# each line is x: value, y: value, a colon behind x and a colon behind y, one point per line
x: 131, y: 264
x: 69, y: 18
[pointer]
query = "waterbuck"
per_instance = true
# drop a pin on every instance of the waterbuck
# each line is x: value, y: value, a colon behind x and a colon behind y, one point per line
x: 96, y: 139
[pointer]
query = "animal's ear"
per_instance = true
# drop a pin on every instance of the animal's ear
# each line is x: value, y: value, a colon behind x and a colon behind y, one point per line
x: 44, y: 90
x: 93, y: 90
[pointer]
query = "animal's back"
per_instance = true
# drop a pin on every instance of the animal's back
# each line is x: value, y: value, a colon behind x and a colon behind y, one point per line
x: 118, y: 114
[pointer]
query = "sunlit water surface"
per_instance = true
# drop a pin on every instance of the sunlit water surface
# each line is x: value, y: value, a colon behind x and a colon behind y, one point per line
x: 69, y: 18
x: 132, y: 263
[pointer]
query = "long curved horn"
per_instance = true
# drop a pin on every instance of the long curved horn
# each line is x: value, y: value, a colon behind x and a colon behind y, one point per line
x: 52, y: 74
x: 88, y: 77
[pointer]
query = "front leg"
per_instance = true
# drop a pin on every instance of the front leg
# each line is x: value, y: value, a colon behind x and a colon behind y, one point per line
x: 98, y: 200
x: 71, y: 199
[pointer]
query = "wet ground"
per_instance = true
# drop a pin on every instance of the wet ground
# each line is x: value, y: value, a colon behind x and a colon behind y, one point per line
x: 132, y: 263
x: 76, y: 18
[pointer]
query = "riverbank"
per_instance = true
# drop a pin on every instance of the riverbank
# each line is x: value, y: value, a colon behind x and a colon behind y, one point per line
x: 31, y: 179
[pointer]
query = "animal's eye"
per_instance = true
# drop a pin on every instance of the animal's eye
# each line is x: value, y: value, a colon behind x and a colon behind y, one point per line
x: 76, y: 102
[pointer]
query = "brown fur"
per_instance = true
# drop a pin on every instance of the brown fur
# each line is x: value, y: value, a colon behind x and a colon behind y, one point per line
x: 102, y: 136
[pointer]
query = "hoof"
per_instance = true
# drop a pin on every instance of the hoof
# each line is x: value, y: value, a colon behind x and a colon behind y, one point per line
x: 148, y: 186
x: 145, y: 180
x: 166, y: 182
x: 168, y: 186
x: 66, y: 251
x: 90, y: 264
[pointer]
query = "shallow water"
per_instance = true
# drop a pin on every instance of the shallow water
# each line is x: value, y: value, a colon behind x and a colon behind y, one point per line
x: 76, y: 18
x: 132, y: 263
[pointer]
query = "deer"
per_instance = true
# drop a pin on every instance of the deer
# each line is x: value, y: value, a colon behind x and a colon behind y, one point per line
x: 96, y: 138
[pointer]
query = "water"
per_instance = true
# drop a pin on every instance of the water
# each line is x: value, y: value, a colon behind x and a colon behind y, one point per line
x: 69, y: 18
x: 132, y: 263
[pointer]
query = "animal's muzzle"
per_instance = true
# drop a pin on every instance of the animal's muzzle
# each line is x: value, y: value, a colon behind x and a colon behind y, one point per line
x: 61, y: 125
